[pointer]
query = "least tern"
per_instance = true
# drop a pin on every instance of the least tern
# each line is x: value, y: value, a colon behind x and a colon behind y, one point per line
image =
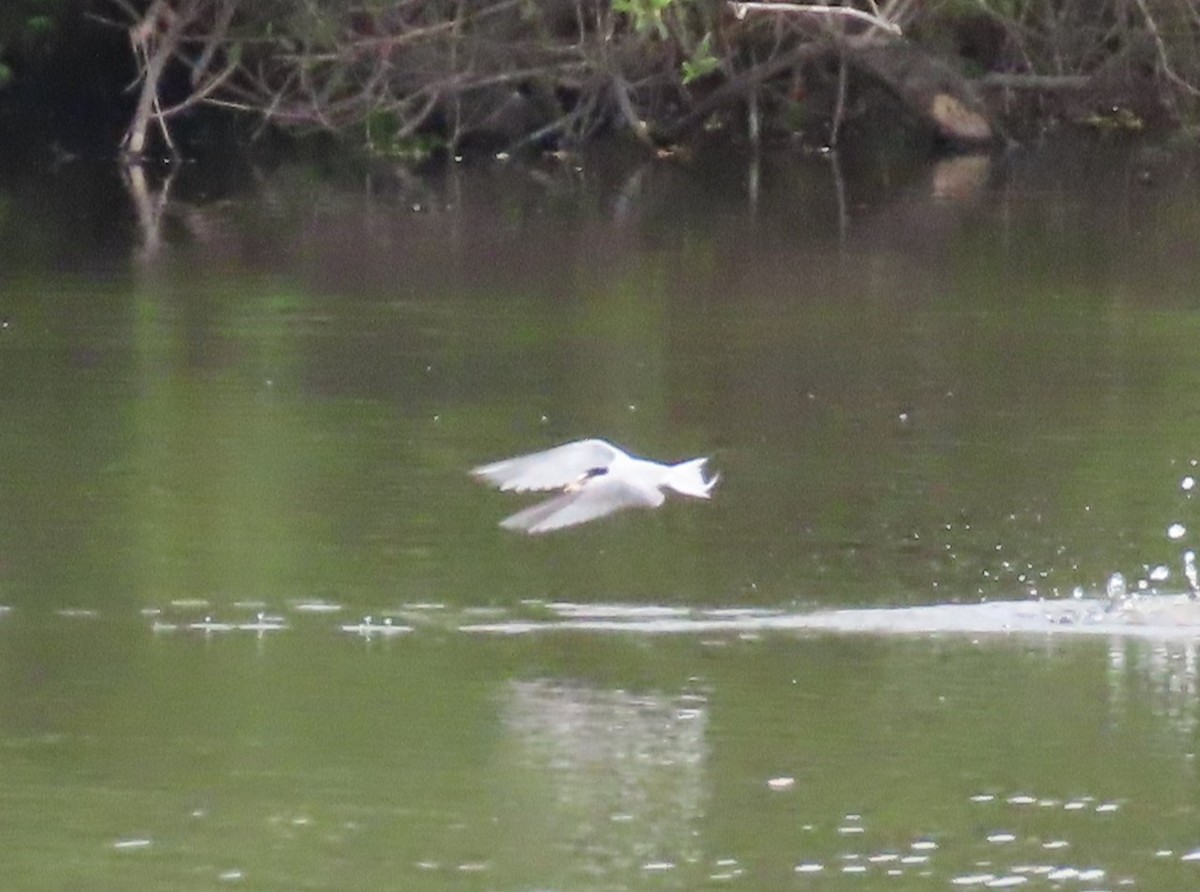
x: 594, y: 478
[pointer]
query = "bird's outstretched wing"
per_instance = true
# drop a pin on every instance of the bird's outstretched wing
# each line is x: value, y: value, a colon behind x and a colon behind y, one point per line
x: 597, y: 498
x: 552, y: 469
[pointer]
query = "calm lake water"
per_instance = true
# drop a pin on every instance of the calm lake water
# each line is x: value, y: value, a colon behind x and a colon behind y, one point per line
x: 259, y: 627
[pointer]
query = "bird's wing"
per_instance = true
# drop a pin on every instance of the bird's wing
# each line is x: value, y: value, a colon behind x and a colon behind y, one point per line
x: 552, y: 469
x: 599, y: 497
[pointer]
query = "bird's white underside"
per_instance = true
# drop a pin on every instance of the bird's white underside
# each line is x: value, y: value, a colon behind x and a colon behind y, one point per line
x: 594, y: 477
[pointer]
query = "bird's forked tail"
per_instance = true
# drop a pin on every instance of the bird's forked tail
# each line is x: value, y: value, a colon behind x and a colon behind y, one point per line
x: 688, y: 478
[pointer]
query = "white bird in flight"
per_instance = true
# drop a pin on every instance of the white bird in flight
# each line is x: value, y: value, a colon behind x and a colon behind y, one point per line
x: 594, y: 478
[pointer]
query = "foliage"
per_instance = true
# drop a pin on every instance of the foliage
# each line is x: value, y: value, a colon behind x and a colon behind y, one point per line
x: 702, y: 63
x: 647, y: 15
x: 433, y: 73
x: 27, y: 28
x: 383, y: 137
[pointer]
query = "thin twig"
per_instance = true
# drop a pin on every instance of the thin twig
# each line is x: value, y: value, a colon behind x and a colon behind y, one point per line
x: 740, y: 9
x: 1163, y: 59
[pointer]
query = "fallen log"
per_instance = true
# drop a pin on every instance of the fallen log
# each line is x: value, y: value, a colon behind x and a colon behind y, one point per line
x: 933, y: 91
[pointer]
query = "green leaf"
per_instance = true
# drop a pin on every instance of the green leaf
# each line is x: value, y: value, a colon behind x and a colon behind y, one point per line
x: 702, y: 63
x: 39, y: 25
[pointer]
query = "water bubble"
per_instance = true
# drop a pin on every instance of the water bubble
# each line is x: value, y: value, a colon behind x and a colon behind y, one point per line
x: 1176, y: 531
x: 1188, y: 483
x: 1116, y: 587
x: 1160, y: 573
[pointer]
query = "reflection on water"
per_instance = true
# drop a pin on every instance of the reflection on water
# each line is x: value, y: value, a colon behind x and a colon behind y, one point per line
x: 1164, y: 675
x: 575, y: 760
x: 980, y: 387
x: 625, y: 774
x: 259, y: 627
